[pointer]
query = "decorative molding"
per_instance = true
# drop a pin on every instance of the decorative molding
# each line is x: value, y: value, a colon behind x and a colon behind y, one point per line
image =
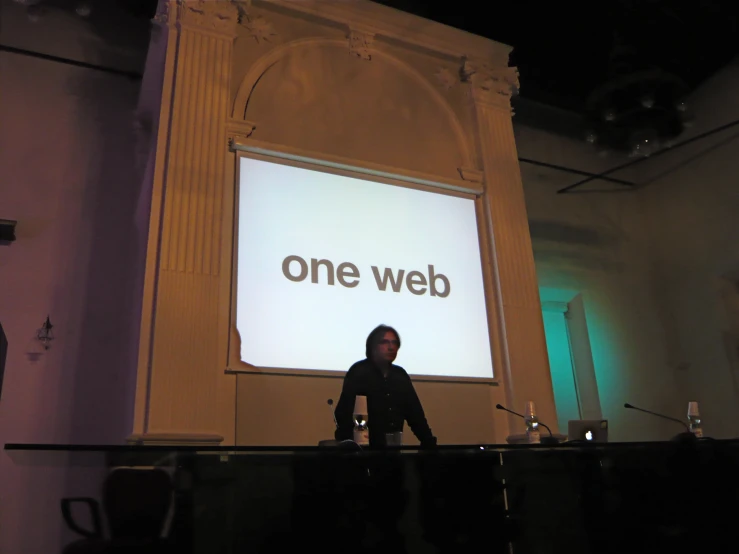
x: 243, y: 7
x: 446, y: 78
x: 162, y: 16
x: 260, y: 29
x: 360, y: 43
x: 554, y: 306
x: 241, y: 127
x: 490, y: 85
x: 162, y: 20
x: 507, y: 209
x: 217, y: 17
x: 402, y: 27
x: 190, y: 233
x: 239, y: 132
x: 494, y: 86
x: 470, y: 174
x: 280, y: 51
x: 466, y: 70
x: 333, y: 162
x: 502, y: 81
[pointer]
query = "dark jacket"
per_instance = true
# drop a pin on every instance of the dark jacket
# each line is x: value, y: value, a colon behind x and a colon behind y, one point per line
x: 391, y: 400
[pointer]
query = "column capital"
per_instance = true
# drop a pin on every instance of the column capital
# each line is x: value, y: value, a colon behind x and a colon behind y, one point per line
x: 361, y: 42
x: 163, y: 20
x: 490, y: 86
x: 208, y: 16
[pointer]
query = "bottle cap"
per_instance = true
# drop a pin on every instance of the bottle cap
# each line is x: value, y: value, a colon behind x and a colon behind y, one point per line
x: 693, y: 409
x: 360, y: 405
x: 530, y: 409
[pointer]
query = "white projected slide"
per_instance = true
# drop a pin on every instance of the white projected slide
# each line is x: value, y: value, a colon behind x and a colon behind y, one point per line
x: 323, y: 259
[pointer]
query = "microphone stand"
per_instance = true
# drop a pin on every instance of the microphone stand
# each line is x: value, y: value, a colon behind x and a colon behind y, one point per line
x: 544, y: 440
x: 330, y: 403
x: 684, y: 436
x: 331, y: 442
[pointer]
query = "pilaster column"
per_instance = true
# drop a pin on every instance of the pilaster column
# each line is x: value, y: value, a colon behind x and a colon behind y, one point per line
x: 526, y: 373
x: 181, y: 384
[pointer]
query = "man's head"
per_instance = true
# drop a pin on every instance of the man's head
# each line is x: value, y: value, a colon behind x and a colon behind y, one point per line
x: 383, y: 344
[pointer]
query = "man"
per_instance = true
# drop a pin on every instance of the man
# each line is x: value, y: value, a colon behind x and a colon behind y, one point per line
x: 391, y: 398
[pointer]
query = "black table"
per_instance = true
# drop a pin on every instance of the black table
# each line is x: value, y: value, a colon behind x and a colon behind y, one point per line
x: 615, y: 498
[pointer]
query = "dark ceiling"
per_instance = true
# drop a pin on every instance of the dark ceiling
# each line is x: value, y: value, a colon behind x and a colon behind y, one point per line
x: 562, y: 49
x: 616, y: 73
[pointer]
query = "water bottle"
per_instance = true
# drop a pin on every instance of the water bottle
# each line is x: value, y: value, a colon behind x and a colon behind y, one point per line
x: 532, y: 424
x: 361, y: 426
x: 694, y: 419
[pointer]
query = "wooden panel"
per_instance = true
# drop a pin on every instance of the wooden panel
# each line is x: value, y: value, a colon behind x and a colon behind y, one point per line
x: 188, y: 389
x: 191, y: 231
x: 507, y: 205
x: 281, y: 409
x: 458, y: 413
x: 529, y: 365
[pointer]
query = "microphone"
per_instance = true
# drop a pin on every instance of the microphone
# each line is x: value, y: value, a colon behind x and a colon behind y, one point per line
x: 680, y: 421
x: 501, y: 407
x: 330, y: 403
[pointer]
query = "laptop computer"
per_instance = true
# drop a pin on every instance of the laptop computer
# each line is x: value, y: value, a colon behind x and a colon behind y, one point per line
x: 587, y: 430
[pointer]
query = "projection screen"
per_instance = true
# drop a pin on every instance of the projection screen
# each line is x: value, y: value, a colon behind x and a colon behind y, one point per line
x: 323, y: 258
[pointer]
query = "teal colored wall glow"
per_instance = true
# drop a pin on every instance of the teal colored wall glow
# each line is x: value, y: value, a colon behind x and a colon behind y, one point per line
x: 560, y: 366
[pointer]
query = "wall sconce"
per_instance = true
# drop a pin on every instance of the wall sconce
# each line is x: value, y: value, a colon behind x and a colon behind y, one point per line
x: 45, y: 334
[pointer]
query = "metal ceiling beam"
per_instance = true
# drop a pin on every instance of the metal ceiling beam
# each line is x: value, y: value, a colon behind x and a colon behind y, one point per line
x: 639, y: 160
x: 113, y: 71
x: 576, y: 171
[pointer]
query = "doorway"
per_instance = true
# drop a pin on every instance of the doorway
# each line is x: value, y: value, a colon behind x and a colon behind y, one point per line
x: 570, y: 357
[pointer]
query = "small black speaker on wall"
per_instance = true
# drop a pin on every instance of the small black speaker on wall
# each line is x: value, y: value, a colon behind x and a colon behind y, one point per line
x: 7, y: 231
x: 3, y: 355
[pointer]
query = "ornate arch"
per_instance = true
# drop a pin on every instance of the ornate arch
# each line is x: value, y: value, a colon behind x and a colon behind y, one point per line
x: 252, y: 77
